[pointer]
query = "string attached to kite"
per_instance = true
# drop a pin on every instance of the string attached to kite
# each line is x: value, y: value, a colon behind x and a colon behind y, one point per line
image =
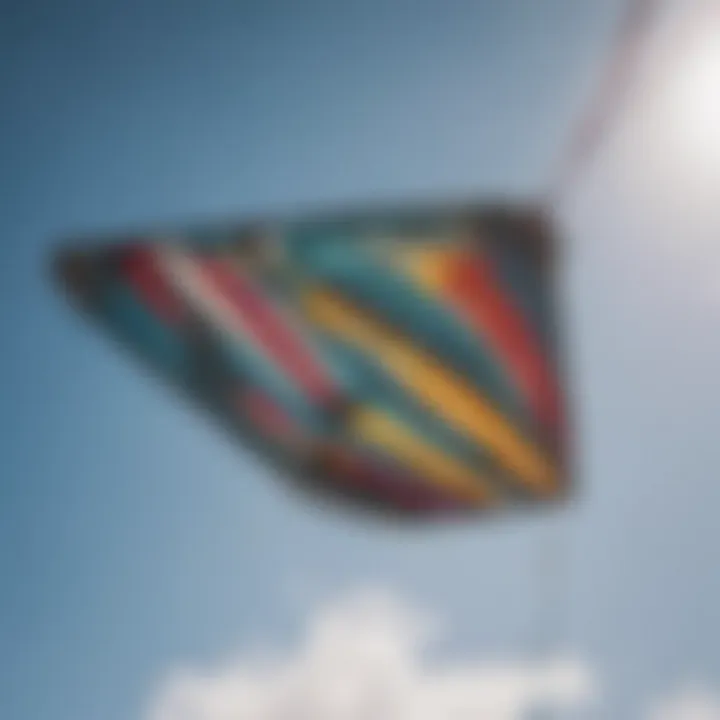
x: 551, y: 560
x: 610, y: 99
x: 550, y: 556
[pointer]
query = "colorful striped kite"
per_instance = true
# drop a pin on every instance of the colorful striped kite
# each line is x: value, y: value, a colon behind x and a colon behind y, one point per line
x: 402, y: 360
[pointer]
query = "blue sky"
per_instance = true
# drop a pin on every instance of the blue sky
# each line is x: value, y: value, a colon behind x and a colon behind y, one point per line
x: 134, y: 537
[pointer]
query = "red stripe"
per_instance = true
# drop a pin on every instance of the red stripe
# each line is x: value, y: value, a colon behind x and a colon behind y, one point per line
x: 284, y: 346
x: 348, y: 467
x: 269, y: 415
x: 139, y: 266
x: 392, y: 485
x: 473, y: 287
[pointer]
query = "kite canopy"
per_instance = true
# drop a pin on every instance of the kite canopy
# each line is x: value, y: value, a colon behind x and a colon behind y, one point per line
x: 404, y: 360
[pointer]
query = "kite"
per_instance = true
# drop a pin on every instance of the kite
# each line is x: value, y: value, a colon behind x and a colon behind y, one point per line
x: 403, y: 359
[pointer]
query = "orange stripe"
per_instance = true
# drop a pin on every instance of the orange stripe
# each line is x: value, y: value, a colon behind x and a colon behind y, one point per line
x: 471, y: 284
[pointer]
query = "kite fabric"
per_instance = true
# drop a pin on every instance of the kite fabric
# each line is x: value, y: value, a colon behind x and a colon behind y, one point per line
x: 405, y: 361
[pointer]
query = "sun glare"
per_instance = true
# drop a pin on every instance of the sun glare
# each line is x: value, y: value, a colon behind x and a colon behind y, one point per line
x: 694, y: 100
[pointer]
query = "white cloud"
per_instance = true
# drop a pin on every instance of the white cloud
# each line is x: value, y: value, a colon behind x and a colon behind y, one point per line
x: 364, y: 659
x: 692, y: 702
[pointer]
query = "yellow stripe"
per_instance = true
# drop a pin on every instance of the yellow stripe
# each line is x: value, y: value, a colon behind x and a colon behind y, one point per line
x: 383, y: 431
x: 427, y: 266
x: 441, y: 390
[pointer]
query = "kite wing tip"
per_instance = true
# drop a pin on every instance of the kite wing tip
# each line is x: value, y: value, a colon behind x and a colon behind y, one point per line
x: 70, y: 271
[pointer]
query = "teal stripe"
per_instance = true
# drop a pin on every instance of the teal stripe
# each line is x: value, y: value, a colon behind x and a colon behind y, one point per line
x: 158, y: 342
x: 251, y: 365
x: 527, y: 291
